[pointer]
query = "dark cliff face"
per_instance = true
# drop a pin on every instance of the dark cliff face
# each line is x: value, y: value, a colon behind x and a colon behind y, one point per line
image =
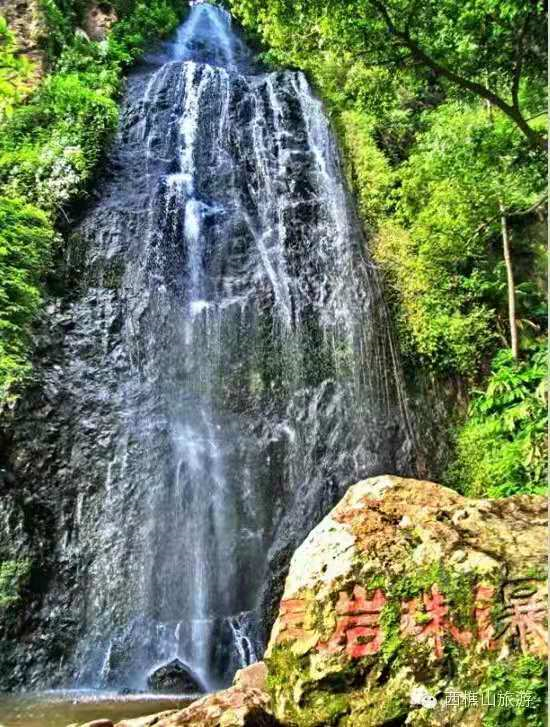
x: 219, y: 370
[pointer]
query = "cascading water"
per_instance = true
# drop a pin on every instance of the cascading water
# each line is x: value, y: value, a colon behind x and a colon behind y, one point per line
x: 228, y: 363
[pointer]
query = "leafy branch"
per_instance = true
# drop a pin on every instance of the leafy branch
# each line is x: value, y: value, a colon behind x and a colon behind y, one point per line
x: 512, y: 110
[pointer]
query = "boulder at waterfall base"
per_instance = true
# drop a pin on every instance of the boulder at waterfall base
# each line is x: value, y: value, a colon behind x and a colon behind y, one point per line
x: 174, y: 678
x: 411, y: 604
x: 245, y: 704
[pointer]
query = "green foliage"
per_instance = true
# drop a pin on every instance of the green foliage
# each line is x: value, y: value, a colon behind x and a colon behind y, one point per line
x: 14, y: 71
x: 444, y: 266
x: 367, y: 167
x: 442, y: 321
x: 60, y: 18
x: 147, y: 21
x: 12, y: 575
x: 51, y: 145
x: 501, y: 447
x: 526, y: 676
x: 26, y: 238
x: 140, y: 22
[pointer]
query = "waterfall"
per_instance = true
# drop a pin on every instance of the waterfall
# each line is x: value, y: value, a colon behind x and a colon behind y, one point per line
x: 228, y: 369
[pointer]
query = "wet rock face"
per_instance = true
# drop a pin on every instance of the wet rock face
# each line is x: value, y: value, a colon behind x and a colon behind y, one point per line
x: 36, y: 501
x: 218, y: 370
x: 407, y: 592
x: 174, y: 678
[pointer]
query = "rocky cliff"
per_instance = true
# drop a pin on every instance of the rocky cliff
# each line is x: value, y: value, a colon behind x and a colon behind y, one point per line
x: 216, y: 370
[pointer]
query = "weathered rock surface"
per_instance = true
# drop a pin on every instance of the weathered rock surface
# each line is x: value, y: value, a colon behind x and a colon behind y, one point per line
x: 252, y: 677
x: 149, y: 721
x: 174, y: 678
x: 234, y: 707
x: 98, y: 20
x: 404, y: 594
x: 245, y: 704
x: 230, y: 708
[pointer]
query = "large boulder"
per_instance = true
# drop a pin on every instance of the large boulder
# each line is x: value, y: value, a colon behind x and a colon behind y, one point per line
x: 409, y: 602
x: 230, y: 708
x: 233, y: 707
x: 252, y: 677
x: 150, y: 720
x: 245, y: 704
x: 174, y: 678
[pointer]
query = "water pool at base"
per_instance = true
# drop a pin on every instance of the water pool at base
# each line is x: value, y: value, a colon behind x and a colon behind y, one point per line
x: 59, y: 709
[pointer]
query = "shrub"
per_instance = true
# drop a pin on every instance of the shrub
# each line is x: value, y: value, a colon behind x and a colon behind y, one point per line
x: 501, y: 449
x: 12, y: 575
x: 26, y: 238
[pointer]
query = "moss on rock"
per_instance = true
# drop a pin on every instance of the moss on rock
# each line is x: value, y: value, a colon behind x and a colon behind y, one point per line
x: 405, y: 594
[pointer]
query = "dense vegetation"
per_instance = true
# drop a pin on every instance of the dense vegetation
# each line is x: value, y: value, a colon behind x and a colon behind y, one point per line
x: 51, y: 140
x: 440, y: 108
x: 501, y: 449
x: 14, y: 70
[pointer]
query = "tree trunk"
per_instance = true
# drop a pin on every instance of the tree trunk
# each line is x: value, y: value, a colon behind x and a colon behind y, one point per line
x: 510, y: 281
x: 534, y: 139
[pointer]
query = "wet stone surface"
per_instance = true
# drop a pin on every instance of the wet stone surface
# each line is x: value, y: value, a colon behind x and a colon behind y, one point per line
x: 174, y: 678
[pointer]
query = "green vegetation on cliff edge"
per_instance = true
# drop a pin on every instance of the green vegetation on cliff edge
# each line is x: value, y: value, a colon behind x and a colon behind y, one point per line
x: 50, y: 144
x: 12, y: 576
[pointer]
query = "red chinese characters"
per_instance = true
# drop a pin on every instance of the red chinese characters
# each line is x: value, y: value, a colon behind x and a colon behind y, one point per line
x: 358, y: 631
x: 292, y: 615
x: 435, y: 622
x: 482, y: 614
x: 526, y: 617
